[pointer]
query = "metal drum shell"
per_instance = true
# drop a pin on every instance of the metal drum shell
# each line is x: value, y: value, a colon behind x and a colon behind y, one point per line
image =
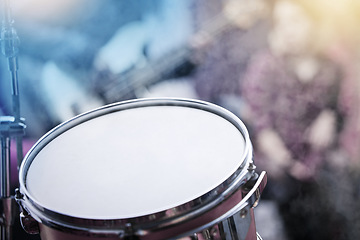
x: 192, y: 217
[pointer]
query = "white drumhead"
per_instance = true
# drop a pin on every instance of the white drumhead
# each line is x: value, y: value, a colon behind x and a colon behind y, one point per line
x: 135, y: 162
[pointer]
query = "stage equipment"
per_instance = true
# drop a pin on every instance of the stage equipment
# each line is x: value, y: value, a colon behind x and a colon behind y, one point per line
x: 160, y: 168
x: 10, y: 126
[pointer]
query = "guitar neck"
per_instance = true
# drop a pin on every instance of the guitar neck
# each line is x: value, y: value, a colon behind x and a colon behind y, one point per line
x: 125, y: 85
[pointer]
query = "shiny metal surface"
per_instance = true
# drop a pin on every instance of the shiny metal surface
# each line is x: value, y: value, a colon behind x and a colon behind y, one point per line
x: 7, y: 217
x: 226, y: 212
x: 5, y: 167
x: 9, y: 127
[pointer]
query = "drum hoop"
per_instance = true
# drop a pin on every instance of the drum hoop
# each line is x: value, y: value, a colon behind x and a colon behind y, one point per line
x: 174, y: 216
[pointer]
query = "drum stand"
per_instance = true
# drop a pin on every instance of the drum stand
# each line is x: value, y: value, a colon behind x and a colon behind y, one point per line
x: 10, y: 126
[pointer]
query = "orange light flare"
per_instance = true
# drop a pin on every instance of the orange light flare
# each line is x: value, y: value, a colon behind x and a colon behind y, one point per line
x: 338, y: 20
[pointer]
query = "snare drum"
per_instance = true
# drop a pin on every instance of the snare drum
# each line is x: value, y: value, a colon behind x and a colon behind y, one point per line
x: 143, y: 169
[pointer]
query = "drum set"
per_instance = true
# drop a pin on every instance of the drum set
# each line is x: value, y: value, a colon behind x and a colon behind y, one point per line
x: 156, y: 168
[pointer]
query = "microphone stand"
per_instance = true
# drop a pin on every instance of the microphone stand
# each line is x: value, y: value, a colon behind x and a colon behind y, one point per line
x: 10, y: 126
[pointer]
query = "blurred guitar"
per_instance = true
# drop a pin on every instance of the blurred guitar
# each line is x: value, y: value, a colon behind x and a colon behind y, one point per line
x: 117, y: 87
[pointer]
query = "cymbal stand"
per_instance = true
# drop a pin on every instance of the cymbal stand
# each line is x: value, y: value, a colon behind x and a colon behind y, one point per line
x: 10, y: 126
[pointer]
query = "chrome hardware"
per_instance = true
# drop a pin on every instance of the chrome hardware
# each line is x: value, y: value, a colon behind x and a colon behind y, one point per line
x: 29, y: 224
x: 251, y: 167
x: 8, y: 210
x: 10, y: 127
x: 243, y: 213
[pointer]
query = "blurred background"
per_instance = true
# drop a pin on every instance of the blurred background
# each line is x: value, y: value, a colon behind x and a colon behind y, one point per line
x: 288, y: 68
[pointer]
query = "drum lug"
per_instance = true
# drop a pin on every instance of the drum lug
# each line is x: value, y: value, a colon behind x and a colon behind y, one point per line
x: 128, y: 233
x: 29, y: 224
x: 254, y: 187
x: 18, y: 195
x: 243, y: 213
x: 251, y: 167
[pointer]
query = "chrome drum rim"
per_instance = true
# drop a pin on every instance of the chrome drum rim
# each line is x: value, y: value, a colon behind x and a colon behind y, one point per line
x: 199, y: 213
